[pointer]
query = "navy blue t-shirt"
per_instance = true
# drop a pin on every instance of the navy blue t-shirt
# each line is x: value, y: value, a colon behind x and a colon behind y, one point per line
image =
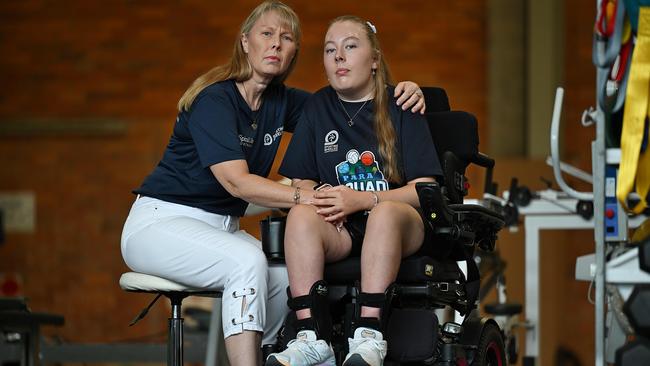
x: 326, y: 149
x: 217, y: 128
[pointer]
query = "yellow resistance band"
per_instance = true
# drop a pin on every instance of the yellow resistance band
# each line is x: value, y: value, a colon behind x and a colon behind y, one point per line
x: 634, y: 164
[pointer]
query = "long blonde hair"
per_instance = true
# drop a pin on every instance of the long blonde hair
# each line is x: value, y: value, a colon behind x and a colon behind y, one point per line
x: 383, y: 125
x: 238, y: 67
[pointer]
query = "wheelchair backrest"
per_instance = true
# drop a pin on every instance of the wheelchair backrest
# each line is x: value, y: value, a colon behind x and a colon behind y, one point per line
x: 436, y: 99
x: 455, y: 134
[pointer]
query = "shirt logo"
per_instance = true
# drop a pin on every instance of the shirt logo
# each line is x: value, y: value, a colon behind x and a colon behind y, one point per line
x: 268, y: 140
x: 331, y: 139
x: 361, y: 172
x: 246, y: 141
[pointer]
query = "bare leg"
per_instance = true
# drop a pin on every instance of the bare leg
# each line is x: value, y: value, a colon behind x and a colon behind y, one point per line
x: 309, y: 242
x: 394, y: 231
x: 244, y: 349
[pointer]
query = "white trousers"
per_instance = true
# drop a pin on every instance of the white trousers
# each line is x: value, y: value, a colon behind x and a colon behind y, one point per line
x: 205, y: 250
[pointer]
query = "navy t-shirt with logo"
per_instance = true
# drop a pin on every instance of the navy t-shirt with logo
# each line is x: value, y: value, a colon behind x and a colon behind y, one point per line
x: 325, y: 148
x: 218, y: 128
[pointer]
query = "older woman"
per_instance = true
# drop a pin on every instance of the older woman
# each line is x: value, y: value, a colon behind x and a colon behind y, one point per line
x: 184, y: 224
x: 352, y: 137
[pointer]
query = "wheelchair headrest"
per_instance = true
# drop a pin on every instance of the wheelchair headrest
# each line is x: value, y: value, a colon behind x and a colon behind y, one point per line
x: 454, y: 131
x: 436, y: 99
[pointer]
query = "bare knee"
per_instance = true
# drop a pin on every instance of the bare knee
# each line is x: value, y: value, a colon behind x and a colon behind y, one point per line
x: 388, y: 224
x: 388, y: 214
x: 302, y: 223
x: 300, y: 213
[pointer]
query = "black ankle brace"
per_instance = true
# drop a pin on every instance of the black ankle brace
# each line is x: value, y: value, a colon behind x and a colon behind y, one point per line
x: 316, y: 301
x: 380, y: 300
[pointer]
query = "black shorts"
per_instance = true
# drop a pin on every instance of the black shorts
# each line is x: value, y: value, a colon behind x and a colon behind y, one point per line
x: 356, y: 226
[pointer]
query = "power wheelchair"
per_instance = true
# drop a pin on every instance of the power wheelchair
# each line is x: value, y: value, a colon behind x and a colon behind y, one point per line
x: 425, y: 283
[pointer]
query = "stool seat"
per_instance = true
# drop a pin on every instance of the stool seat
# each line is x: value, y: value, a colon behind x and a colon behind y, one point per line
x: 175, y: 292
x: 140, y: 282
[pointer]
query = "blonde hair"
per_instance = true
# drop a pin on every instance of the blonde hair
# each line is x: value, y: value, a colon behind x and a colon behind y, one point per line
x: 238, y: 67
x: 383, y: 125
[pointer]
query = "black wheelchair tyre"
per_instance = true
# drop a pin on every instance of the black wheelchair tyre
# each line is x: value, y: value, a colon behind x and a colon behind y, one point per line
x: 491, y: 350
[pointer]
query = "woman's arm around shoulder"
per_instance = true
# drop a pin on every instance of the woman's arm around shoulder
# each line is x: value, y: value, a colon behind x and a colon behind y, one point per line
x: 409, y: 95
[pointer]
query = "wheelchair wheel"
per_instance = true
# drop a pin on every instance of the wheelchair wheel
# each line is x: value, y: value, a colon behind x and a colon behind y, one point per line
x: 491, y: 351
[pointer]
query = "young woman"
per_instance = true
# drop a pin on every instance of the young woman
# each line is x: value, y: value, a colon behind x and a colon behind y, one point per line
x: 353, y: 138
x: 184, y: 225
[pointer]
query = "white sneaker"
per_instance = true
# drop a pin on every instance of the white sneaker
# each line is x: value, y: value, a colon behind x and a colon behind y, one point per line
x: 305, y: 350
x: 367, y: 348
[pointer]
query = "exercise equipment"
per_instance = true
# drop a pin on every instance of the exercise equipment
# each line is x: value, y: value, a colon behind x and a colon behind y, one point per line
x: 637, y: 309
x: 506, y: 314
x: 634, y: 353
x: 644, y: 255
x: 20, y: 331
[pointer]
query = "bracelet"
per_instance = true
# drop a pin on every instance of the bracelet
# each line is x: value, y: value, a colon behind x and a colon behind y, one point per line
x: 375, y: 197
x: 296, y: 196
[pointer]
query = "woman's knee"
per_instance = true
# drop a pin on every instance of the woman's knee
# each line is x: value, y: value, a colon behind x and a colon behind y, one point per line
x: 257, y: 260
x: 301, y: 215
x: 388, y: 214
x: 253, y: 265
x: 302, y: 223
x: 390, y: 224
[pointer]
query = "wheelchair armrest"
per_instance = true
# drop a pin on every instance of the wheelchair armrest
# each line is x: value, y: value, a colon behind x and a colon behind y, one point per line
x: 434, y: 204
x: 454, y: 167
x: 484, y: 223
x: 486, y: 162
x: 460, y: 223
x: 482, y: 160
x: 441, y: 219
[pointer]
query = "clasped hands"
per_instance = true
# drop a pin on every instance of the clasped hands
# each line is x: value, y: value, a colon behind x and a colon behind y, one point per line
x: 334, y: 204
